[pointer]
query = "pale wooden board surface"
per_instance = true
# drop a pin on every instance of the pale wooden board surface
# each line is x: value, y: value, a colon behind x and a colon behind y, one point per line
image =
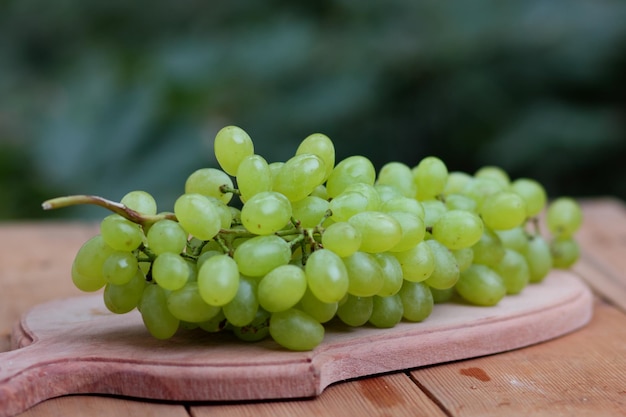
x: 28, y: 280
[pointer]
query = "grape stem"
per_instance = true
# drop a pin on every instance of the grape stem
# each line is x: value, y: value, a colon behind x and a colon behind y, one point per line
x: 118, y: 208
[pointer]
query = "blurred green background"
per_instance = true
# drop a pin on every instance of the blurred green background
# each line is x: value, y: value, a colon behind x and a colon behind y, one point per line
x: 103, y: 97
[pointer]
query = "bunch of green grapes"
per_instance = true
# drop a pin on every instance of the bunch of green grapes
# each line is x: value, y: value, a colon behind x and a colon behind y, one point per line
x: 278, y: 249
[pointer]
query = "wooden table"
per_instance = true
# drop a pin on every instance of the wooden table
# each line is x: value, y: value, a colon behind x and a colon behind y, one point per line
x: 580, y: 374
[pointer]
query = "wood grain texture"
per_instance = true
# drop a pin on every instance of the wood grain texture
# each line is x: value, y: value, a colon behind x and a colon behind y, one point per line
x: 581, y: 374
x: 389, y: 395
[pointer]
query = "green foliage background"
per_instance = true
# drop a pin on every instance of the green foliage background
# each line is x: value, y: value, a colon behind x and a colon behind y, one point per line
x: 103, y: 97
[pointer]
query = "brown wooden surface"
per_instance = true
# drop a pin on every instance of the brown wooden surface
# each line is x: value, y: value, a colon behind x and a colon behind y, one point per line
x: 583, y: 373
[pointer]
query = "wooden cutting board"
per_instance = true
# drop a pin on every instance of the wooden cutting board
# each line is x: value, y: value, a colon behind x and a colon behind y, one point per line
x: 75, y: 345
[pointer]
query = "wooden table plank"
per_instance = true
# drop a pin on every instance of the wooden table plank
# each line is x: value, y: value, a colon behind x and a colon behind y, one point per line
x: 580, y: 374
x: 390, y: 395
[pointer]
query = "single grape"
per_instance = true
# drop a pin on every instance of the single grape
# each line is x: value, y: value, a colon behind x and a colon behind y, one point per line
x: 224, y: 212
x: 320, y: 145
x: 187, y: 305
x: 489, y: 250
x: 296, y: 330
x: 404, y: 204
x: 282, y: 288
x: 503, y: 210
x: 342, y: 238
x: 121, y: 299
x: 232, y: 144
x: 166, y: 236
x: 417, y: 301
x: 460, y: 202
x: 299, y: 176
x: 457, y: 180
x: 327, y: 276
x: 433, y: 210
x: 446, y: 271
x: 198, y: 215
x: 399, y: 176
x: 258, y: 329
x: 365, y: 274
x: 218, y: 280
x: 387, y: 192
x: 495, y: 173
x: 369, y: 191
x: 156, y: 316
x: 170, y: 271
x: 259, y: 255
x: 386, y: 311
x: 319, y: 310
x: 413, y: 230
x: 120, y: 233
x: 458, y: 229
x: 140, y: 201
x: 392, y: 274
x: 417, y: 263
x: 347, y: 204
x: 430, y: 176
x: 565, y: 252
x: 355, y: 311
x: 514, y: 271
x: 464, y: 257
x: 539, y: 258
x: 209, y: 183
x: 481, y: 285
x: 516, y: 239
x: 120, y: 267
x: 87, y: 266
x: 442, y: 296
x: 379, y: 231
x: 480, y: 188
x: 253, y: 176
x: 310, y: 211
x: 243, y: 308
x: 564, y: 217
x: 214, y: 324
x: 266, y: 213
x: 353, y: 169
x: 533, y: 194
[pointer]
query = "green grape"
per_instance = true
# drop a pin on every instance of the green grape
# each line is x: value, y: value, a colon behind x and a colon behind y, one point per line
x: 514, y: 271
x: 214, y: 324
x: 433, y: 210
x: 198, y: 215
x: 494, y: 173
x: 187, y: 305
x: 456, y: 182
x: 223, y: 211
x: 458, y: 229
x: 320, y: 191
x: 565, y: 252
x: 480, y: 188
x: 320, y: 145
x: 341, y: 238
x: 140, y: 201
x: 399, y: 176
x: 296, y: 330
x: 417, y: 263
x: 253, y: 176
x: 412, y: 228
x: 369, y: 191
x: 464, y: 257
x: 259, y: 255
x: 156, y: 316
x: 319, y: 310
x: 365, y: 274
x: 392, y: 274
x: 166, y: 236
x: 347, y: 204
x: 481, y: 285
x: 533, y: 194
x: 232, y: 144
x: 209, y: 182
x: 327, y: 276
x: 564, y: 217
x: 404, y: 204
x: 539, y: 258
x: 386, y: 311
x: 430, y: 177
x: 387, y: 192
x: 299, y: 176
x: 442, y: 296
x: 379, y: 231
x: 266, y: 213
x: 516, y: 239
x: 119, y: 267
x: 120, y: 233
x: 355, y: 311
x: 258, y: 329
x: 282, y: 288
x: 489, y: 250
x: 121, y: 299
x: 446, y: 271
x: 417, y: 301
x: 243, y: 308
x: 275, y: 168
x: 87, y: 266
x: 353, y: 169
x: 170, y: 271
x: 503, y: 210
x: 309, y: 211
x: 218, y: 280
x: 460, y: 202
